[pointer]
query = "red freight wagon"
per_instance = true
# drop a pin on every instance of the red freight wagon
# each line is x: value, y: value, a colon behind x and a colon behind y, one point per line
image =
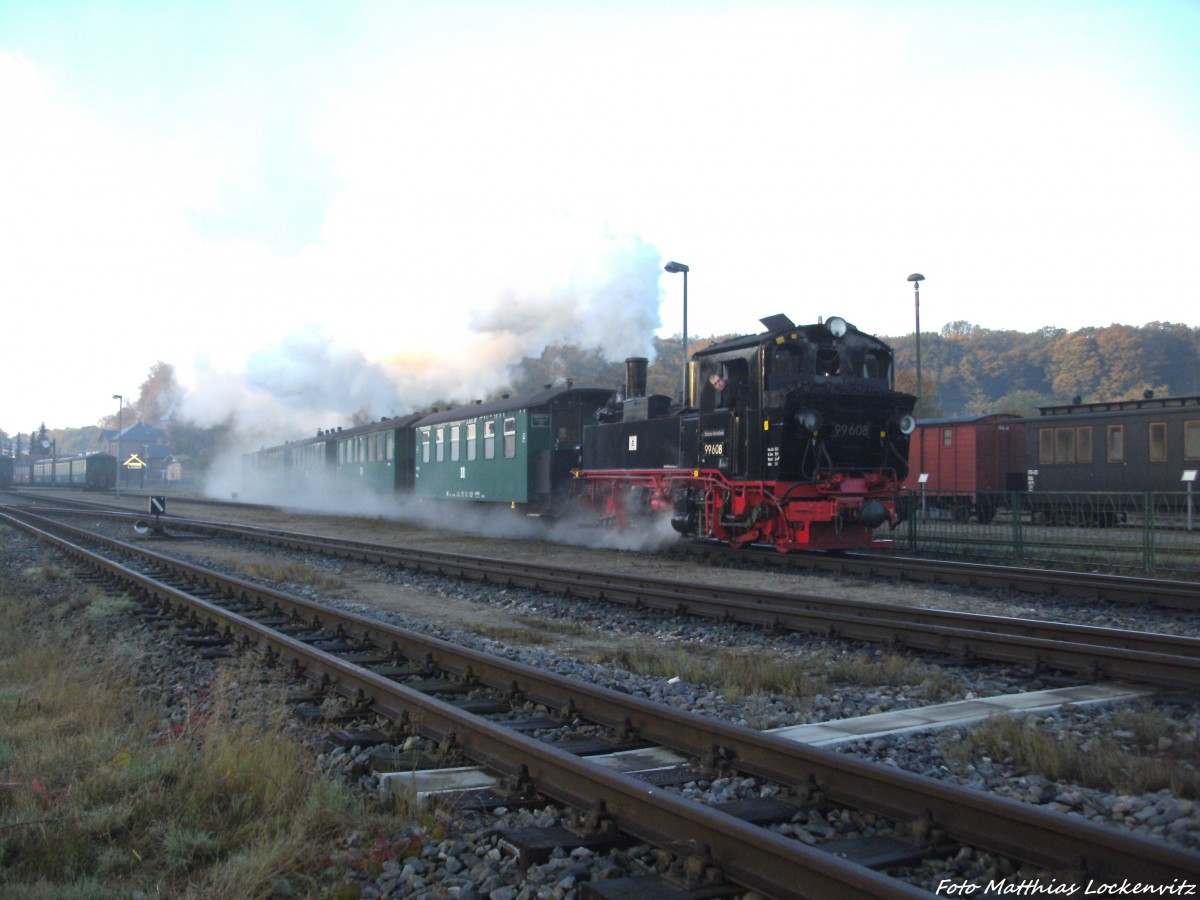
x: 967, y: 461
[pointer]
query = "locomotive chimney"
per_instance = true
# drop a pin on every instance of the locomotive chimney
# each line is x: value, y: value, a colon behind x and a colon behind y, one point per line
x: 635, y: 376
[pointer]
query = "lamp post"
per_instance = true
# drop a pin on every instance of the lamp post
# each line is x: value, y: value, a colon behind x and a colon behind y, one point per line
x: 675, y: 268
x: 916, y: 279
x: 120, y: 402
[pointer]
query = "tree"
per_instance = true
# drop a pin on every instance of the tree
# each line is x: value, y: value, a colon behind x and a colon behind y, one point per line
x: 1075, y: 365
x: 158, y: 394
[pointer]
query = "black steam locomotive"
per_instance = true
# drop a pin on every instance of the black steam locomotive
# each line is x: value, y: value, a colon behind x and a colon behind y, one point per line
x: 794, y: 438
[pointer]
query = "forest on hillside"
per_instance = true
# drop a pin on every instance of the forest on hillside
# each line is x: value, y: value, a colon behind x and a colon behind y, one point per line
x: 965, y: 369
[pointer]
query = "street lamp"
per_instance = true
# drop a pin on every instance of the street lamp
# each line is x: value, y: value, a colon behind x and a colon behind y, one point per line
x: 916, y: 279
x: 120, y: 401
x: 675, y: 268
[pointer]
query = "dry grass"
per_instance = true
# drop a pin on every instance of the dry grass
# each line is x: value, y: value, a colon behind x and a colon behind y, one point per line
x: 96, y: 800
x: 291, y: 573
x: 741, y: 673
x: 1125, y: 756
x: 527, y: 630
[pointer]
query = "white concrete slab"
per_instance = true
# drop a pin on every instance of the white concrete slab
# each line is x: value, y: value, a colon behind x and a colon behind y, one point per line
x: 426, y: 783
x: 962, y: 712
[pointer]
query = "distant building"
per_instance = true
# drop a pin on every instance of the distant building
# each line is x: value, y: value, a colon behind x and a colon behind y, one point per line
x: 148, y: 444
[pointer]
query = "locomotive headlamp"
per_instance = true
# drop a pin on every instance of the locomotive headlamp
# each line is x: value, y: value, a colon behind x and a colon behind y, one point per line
x: 809, y: 419
x: 836, y: 325
x: 907, y: 424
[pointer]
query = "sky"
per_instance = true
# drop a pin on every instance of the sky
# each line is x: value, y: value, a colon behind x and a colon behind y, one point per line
x: 312, y: 208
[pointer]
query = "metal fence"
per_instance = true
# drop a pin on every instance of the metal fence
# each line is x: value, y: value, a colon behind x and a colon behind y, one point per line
x: 1124, y: 533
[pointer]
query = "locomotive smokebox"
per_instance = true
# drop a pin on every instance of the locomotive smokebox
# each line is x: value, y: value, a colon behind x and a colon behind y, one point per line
x: 635, y: 376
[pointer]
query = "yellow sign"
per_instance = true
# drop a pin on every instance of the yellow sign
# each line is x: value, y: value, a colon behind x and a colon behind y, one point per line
x: 133, y: 462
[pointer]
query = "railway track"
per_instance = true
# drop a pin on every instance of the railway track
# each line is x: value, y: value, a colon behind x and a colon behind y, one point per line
x: 429, y: 688
x: 1154, y: 592
x: 1091, y: 652
x: 1168, y: 594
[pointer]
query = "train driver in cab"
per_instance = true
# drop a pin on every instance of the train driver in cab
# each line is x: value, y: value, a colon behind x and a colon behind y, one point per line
x: 728, y: 391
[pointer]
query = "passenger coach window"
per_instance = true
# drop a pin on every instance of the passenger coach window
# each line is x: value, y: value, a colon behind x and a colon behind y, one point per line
x: 1045, y: 446
x: 489, y: 439
x: 1064, y: 445
x: 1158, y: 442
x: 1191, y: 440
x: 1083, y: 445
x: 1116, y: 443
x: 947, y: 437
x: 455, y: 431
x: 470, y: 441
x: 440, y: 440
x: 510, y: 438
x: 424, y: 445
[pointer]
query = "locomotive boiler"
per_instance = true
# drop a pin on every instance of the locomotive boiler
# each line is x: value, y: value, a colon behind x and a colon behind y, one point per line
x: 793, y: 438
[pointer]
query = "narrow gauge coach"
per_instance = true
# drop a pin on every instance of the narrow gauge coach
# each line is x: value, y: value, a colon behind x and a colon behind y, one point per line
x: 793, y: 438
x: 90, y: 471
x: 517, y: 451
x: 376, y: 457
x: 1078, y: 463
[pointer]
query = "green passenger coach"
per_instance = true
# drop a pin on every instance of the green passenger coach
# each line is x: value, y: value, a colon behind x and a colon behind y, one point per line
x: 517, y: 451
x: 377, y: 457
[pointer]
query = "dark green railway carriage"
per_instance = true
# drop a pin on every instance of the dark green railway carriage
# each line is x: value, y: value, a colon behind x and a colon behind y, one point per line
x: 6, y: 471
x: 378, y: 457
x: 517, y: 451
x: 274, y: 473
x: 90, y: 471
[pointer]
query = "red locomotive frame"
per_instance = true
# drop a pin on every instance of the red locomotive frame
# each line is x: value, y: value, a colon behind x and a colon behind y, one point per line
x: 821, y: 515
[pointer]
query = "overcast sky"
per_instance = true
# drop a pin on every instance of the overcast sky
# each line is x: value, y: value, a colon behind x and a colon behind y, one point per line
x: 312, y: 207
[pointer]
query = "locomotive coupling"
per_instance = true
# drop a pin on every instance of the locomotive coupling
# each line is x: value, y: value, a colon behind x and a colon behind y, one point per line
x: 873, y: 514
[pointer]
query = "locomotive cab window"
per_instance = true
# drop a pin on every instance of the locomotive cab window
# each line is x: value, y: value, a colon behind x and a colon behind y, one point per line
x: 829, y: 361
x: 877, y: 364
x: 1158, y: 442
x: 786, y: 367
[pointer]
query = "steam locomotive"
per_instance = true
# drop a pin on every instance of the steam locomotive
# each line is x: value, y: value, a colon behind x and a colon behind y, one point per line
x: 794, y: 438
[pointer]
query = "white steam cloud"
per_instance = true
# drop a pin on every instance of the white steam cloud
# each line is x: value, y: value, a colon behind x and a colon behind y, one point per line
x: 587, y: 287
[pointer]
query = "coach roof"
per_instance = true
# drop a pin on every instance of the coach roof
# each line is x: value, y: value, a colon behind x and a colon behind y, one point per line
x: 513, y: 404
